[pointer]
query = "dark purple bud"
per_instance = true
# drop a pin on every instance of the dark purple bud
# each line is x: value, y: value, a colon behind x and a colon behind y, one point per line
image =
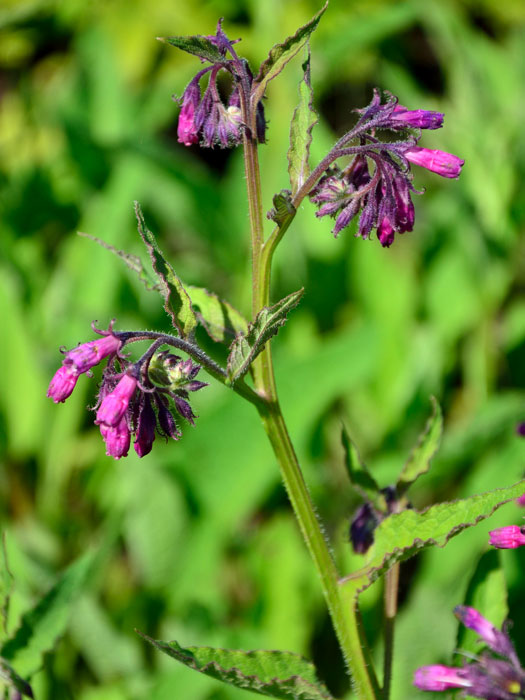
x: 402, y: 117
x: 362, y: 528
x: 115, y: 404
x: 184, y: 408
x: 187, y: 130
x: 117, y: 438
x: 62, y: 384
x: 440, y: 162
x: 521, y: 501
x: 494, y: 638
x: 168, y: 426
x: 87, y: 355
x: 405, y: 213
x: 346, y: 216
x: 439, y: 677
x: 260, y: 123
x: 146, y: 422
x: 520, y: 429
x: 368, y: 217
x: 385, y: 233
x: 509, y: 537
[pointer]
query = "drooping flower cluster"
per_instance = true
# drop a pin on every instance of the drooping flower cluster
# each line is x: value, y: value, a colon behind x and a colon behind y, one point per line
x: 138, y: 398
x: 205, y: 118
x: 377, y: 184
x: 487, y: 677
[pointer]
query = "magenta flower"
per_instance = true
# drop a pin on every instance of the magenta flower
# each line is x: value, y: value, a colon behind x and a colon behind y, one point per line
x: 494, y: 638
x: 117, y: 438
x: 187, y: 131
x: 87, y: 355
x: 416, y: 118
x: 509, y: 537
x: 62, y: 384
x: 438, y: 677
x: 440, y: 162
x: 115, y: 404
x: 521, y: 501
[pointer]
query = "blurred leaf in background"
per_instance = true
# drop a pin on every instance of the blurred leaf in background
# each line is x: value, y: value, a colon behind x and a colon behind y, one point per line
x: 87, y: 126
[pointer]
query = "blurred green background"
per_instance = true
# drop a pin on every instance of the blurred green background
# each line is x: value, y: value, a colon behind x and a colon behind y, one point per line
x: 196, y: 541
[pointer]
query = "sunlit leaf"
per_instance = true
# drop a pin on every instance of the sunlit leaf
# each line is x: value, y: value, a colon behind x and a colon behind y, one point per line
x: 281, y: 54
x: 197, y: 45
x: 220, y: 319
x: 277, y: 674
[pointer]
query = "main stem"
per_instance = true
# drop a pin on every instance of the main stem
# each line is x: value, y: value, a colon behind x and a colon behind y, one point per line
x: 342, y: 606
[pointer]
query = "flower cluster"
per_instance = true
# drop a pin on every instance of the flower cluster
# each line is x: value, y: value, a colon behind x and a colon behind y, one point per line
x: 205, y: 118
x: 139, y: 399
x: 487, y: 677
x: 377, y: 184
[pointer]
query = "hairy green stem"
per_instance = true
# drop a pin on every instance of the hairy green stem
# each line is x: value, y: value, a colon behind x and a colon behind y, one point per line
x: 341, y: 605
x: 391, y: 590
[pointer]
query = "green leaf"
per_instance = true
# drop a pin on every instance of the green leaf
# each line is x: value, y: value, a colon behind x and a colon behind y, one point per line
x: 176, y: 299
x: 42, y: 625
x: 303, y: 121
x: 281, y: 54
x: 220, y: 319
x: 277, y: 674
x: 487, y: 592
x: 419, y: 461
x: 246, y: 347
x: 283, y: 211
x: 11, y: 678
x: 402, y: 535
x: 132, y: 261
x: 197, y: 45
x: 360, y: 478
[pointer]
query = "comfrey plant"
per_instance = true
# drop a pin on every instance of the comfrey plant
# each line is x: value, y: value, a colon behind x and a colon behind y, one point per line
x: 366, y: 182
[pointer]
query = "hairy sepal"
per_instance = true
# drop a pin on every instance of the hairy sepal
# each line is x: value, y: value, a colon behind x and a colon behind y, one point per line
x: 276, y: 674
x: 419, y: 460
x: 281, y: 54
x: 303, y: 121
x: 246, y: 347
x: 177, y: 302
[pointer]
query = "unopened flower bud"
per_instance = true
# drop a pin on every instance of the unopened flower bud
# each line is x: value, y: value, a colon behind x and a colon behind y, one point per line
x: 494, y: 638
x: 62, y: 384
x: 117, y: 438
x: 145, y: 433
x: 509, y: 537
x: 438, y: 677
x: 415, y: 118
x: 440, y: 162
x: 115, y: 404
x: 87, y: 355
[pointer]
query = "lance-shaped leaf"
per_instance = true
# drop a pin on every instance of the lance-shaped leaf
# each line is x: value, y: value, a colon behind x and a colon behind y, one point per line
x: 303, y: 121
x: 281, y: 54
x: 419, y: 461
x: 132, y: 261
x: 11, y: 678
x: 277, y: 674
x: 283, y: 211
x: 176, y: 299
x: 246, y: 347
x: 360, y: 478
x: 197, y: 45
x: 401, y: 535
x: 41, y: 626
x: 220, y: 319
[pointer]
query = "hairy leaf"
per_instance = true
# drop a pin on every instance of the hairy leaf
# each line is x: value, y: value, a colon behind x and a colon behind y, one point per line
x: 401, y: 535
x: 360, y: 478
x: 176, y: 299
x: 303, y: 121
x: 283, y: 211
x: 132, y: 261
x: 46, y: 622
x: 277, y: 674
x: 11, y: 678
x: 246, y: 347
x: 197, y: 45
x: 220, y: 319
x: 281, y: 54
x: 419, y: 461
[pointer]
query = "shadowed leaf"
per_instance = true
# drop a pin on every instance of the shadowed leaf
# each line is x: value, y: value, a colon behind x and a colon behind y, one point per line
x: 220, y: 319
x: 419, y: 461
x: 303, y: 121
x: 360, y: 478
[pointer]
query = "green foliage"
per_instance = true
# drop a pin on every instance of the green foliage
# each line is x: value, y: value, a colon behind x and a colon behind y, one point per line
x: 220, y: 319
x: 277, y: 674
x: 402, y: 535
x: 13, y: 680
x: 266, y: 324
x: 197, y: 45
x: 359, y: 475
